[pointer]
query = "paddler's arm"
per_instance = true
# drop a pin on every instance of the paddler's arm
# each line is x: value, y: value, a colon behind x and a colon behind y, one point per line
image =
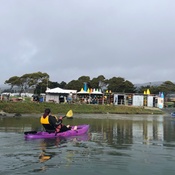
x: 59, y: 122
x: 53, y: 121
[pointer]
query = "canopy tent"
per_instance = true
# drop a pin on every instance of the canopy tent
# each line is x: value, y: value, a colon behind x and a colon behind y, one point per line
x: 90, y: 91
x: 97, y: 93
x: 146, y: 92
x: 82, y: 91
x: 61, y: 91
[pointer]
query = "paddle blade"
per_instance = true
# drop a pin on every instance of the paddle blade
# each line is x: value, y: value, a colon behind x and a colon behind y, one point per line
x: 69, y: 114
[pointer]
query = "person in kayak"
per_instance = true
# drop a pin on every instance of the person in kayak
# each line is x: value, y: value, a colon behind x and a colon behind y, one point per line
x: 51, y: 123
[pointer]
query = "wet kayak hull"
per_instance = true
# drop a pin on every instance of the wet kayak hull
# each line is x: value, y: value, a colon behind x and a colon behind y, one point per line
x: 81, y: 129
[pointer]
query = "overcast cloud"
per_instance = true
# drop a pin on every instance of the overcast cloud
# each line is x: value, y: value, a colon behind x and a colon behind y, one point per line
x: 133, y: 39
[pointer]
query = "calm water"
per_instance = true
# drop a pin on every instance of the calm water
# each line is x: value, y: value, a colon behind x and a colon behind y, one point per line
x: 117, y: 144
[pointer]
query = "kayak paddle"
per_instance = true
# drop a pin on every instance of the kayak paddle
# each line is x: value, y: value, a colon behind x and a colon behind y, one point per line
x: 69, y: 114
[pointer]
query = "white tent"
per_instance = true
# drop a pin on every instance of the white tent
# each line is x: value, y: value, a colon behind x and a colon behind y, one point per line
x: 97, y: 93
x: 57, y: 94
x: 61, y: 91
x: 83, y: 92
x: 90, y: 92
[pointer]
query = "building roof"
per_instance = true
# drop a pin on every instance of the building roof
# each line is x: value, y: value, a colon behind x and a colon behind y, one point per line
x: 61, y: 91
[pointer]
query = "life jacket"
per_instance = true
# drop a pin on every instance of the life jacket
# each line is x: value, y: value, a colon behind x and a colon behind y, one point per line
x: 45, y: 122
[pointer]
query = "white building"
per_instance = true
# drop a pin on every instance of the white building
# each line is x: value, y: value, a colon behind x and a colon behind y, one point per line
x: 59, y: 95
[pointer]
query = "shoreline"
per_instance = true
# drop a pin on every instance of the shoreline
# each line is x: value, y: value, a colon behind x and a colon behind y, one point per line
x: 90, y: 115
x: 107, y: 114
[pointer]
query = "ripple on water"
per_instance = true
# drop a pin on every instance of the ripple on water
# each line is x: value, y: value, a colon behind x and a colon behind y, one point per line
x: 117, y: 147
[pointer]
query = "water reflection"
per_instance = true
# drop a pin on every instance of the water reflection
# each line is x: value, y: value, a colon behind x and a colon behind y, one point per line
x: 124, y: 145
x: 147, y: 130
x: 128, y: 131
x: 124, y: 130
x: 45, y: 144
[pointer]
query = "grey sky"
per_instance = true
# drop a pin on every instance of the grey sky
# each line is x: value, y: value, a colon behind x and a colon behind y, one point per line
x: 133, y: 39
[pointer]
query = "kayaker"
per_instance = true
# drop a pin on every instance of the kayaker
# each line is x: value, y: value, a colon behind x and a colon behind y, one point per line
x: 52, y: 123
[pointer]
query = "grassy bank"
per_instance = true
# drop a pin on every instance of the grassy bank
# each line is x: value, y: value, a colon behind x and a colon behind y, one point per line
x: 38, y: 108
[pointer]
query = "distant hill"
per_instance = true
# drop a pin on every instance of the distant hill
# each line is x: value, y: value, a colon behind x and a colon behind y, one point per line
x: 155, y: 83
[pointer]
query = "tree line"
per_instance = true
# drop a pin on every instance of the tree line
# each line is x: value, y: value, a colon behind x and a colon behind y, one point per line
x: 39, y: 82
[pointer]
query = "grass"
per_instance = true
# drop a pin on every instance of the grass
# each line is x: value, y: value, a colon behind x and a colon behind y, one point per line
x: 27, y: 107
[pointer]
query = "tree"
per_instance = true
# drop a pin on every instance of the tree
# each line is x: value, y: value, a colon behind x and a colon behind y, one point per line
x: 118, y: 84
x: 84, y: 79
x: 167, y: 87
x: 74, y: 84
x: 28, y: 80
x: 95, y: 82
x: 38, y: 77
x: 129, y: 87
x: 62, y: 85
x: 13, y: 81
x: 40, y: 81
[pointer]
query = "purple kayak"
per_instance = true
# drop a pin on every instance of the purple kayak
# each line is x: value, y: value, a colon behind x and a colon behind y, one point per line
x: 81, y: 129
